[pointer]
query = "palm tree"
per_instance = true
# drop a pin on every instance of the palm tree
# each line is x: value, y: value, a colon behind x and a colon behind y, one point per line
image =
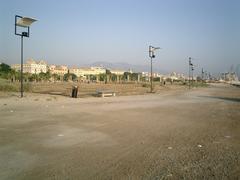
x: 17, y: 75
x: 55, y: 77
x: 108, y: 75
x: 102, y: 77
x: 41, y: 76
x: 114, y: 77
x: 26, y: 76
x: 69, y: 76
x: 34, y: 77
x: 12, y: 75
x: 127, y: 76
x: 47, y: 75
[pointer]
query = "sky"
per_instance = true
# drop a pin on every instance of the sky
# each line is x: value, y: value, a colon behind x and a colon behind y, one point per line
x: 80, y: 32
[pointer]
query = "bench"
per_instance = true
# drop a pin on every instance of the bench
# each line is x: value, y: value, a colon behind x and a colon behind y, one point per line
x: 103, y: 93
x: 56, y: 93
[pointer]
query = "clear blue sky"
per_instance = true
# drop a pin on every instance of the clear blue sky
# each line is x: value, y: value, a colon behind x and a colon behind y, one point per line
x: 79, y: 32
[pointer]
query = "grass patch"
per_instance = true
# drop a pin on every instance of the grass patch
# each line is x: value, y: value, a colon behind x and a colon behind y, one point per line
x: 7, y: 86
x: 146, y: 85
x: 200, y: 84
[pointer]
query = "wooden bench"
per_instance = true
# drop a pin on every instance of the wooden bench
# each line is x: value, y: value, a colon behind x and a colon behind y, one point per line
x: 103, y: 93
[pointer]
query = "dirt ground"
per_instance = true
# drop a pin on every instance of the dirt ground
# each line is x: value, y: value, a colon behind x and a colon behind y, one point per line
x: 89, y: 90
x: 176, y: 134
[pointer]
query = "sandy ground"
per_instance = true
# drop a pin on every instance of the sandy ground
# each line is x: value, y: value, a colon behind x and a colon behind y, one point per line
x: 170, y: 135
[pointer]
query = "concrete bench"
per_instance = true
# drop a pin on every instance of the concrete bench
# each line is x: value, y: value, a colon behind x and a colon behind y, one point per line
x: 56, y: 93
x: 104, y: 93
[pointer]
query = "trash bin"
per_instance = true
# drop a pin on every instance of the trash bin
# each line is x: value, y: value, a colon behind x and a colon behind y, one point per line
x: 74, y: 91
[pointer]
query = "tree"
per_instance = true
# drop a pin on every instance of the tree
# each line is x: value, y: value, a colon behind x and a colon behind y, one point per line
x: 56, y: 77
x: 134, y: 76
x: 102, y: 77
x: 67, y: 76
x: 44, y: 76
x: 26, y: 76
x: 48, y: 75
x: 108, y: 76
x: 18, y: 75
x: 93, y: 78
x: 12, y: 75
x: 114, y: 77
x: 126, y: 75
x: 34, y: 77
x: 5, y: 69
x: 108, y: 72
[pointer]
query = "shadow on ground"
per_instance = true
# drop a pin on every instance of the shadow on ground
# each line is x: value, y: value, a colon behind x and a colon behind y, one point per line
x: 222, y: 98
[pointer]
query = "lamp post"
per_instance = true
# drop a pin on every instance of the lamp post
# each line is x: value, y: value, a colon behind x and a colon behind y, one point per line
x: 189, y: 71
x: 24, y: 23
x: 192, y: 75
x: 152, y: 55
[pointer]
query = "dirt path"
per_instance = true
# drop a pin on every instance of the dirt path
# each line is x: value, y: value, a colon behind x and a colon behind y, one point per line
x: 175, y: 135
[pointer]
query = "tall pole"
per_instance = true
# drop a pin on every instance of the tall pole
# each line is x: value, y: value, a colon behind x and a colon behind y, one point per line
x: 151, y: 55
x: 202, y: 75
x: 23, y: 22
x: 189, y: 72
x: 151, y: 77
x: 192, y: 76
x: 21, y: 66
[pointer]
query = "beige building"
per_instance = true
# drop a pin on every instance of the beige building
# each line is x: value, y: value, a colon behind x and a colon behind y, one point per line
x: 77, y: 71
x: 95, y: 71
x: 81, y: 72
x: 58, y: 69
x: 32, y: 67
x: 148, y: 74
x: 117, y: 71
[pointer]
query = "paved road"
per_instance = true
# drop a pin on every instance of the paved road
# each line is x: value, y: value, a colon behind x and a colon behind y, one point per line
x: 172, y: 135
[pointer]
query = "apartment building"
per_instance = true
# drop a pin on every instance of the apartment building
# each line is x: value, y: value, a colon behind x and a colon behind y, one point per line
x: 32, y: 67
x: 58, y: 69
x: 81, y: 72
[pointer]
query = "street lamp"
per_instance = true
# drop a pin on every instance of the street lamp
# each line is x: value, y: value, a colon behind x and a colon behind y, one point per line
x: 192, y: 74
x: 189, y: 71
x: 152, y: 55
x: 24, y: 23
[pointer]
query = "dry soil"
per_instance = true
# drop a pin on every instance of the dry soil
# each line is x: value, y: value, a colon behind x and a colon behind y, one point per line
x: 177, y: 134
